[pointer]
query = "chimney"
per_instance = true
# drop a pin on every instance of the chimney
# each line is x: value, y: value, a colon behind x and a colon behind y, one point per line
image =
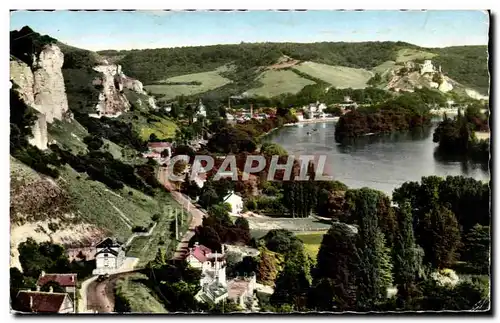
x: 37, y: 288
x: 31, y: 302
x: 72, y: 278
x: 42, y: 274
x: 51, y: 290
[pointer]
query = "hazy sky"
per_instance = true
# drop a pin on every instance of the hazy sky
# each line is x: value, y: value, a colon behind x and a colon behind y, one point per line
x: 154, y: 29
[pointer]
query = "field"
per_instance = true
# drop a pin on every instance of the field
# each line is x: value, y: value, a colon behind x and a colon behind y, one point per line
x: 163, y: 128
x: 383, y: 68
x: 146, y: 247
x: 408, y: 54
x: 139, y: 296
x: 312, y: 242
x: 339, y: 76
x: 69, y: 135
x: 260, y: 226
x: 276, y: 82
x: 209, y: 81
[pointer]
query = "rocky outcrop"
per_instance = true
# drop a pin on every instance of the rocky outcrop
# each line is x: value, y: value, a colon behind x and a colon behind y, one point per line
x: 132, y: 84
x: 49, y: 90
x: 42, y: 88
x: 112, y: 102
x: 445, y: 86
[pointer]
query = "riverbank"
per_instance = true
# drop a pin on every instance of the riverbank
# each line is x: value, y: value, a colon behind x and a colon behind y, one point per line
x: 333, y: 119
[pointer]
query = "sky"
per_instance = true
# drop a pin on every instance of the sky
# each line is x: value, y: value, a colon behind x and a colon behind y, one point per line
x: 99, y: 30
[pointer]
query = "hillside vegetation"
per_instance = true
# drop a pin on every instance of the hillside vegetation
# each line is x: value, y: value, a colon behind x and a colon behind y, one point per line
x: 465, y: 64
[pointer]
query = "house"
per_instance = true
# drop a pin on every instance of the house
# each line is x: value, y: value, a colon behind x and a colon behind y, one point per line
x: 235, y: 201
x: 159, y: 147
x: 300, y: 116
x: 66, y: 281
x: 109, y: 256
x: 202, y: 111
x: 241, y: 290
x: 43, y: 302
x: 213, y: 273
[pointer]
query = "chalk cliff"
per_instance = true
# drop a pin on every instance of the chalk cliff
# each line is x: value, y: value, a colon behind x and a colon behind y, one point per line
x: 42, y: 88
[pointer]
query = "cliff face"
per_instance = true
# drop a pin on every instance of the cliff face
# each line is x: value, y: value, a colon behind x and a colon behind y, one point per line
x: 42, y: 88
x: 112, y: 101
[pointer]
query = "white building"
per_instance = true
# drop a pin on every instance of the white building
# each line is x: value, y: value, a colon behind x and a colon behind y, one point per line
x: 202, y: 111
x: 241, y: 290
x: 213, y: 273
x: 109, y: 256
x: 299, y: 116
x: 235, y: 201
x: 427, y: 67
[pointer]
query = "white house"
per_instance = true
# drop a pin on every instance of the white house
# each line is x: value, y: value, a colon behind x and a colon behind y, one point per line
x: 202, y: 111
x: 427, y: 67
x: 241, y: 290
x: 235, y: 201
x: 213, y: 273
x: 109, y: 256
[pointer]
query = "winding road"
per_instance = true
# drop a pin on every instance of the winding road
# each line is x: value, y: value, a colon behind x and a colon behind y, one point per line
x: 100, y: 295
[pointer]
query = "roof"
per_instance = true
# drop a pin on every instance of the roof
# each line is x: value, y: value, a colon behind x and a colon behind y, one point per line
x: 65, y: 280
x: 159, y: 144
x: 43, y: 302
x: 107, y: 250
x: 237, y: 287
x: 108, y: 242
x: 231, y: 195
x: 200, y: 252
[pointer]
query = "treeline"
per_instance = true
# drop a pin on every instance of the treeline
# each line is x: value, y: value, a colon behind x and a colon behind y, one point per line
x: 151, y: 65
x: 456, y: 137
x: 407, y: 111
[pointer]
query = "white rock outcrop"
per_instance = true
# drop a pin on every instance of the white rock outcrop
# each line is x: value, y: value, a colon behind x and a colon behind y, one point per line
x: 445, y: 86
x: 42, y: 88
x: 112, y: 102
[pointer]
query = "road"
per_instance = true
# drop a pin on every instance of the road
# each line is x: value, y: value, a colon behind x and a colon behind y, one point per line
x: 100, y: 295
x: 196, y: 214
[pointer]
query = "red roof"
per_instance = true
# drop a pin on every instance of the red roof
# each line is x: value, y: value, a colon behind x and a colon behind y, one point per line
x: 200, y: 252
x: 41, y: 302
x: 65, y: 280
x: 159, y: 144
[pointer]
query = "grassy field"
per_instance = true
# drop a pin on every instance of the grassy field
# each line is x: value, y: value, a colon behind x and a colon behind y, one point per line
x: 408, y: 54
x: 163, y: 128
x: 107, y: 209
x: 339, y: 76
x: 209, y: 81
x: 312, y: 242
x: 275, y: 82
x: 146, y: 247
x: 139, y: 296
x: 383, y: 68
x: 69, y: 135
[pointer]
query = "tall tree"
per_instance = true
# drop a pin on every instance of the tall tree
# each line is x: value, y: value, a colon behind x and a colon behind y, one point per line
x: 440, y: 237
x: 369, y: 289
x: 338, y: 260
x: 291, y: 287
x: 405, y: 253
x: 477, y: 248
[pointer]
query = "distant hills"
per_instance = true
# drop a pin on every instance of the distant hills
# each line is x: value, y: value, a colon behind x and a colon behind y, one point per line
x: 270, y: 69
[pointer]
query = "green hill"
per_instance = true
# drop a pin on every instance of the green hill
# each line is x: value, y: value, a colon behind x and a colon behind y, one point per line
x: 466, y: 65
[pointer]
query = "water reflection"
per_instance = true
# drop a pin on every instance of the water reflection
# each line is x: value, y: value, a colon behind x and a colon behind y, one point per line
x: 382, y: 162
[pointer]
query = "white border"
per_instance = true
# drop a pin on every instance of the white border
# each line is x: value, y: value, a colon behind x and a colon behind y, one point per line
x: 191, y: 4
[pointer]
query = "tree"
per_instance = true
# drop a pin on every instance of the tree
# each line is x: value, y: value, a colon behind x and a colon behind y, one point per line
x: 292, y: 286
x: 272, y: 149
x: 405, y: 258
x: 440, y: 237
x: 52, y: 286
x: 242, y: 223
x: 477, y: 249
x: 267, y: 270
x: 160, y: 259
x: 338, y: 260
x: 35, y: 258
x: 370, y: 249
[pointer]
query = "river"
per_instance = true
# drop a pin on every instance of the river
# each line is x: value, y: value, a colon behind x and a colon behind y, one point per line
x: 381, y: 162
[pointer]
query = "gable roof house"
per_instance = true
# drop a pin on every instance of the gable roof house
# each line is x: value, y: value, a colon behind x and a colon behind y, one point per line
x: 66, y: 281
x: 109, y: 256
x: 235, y: 201
x: 43, y: 302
